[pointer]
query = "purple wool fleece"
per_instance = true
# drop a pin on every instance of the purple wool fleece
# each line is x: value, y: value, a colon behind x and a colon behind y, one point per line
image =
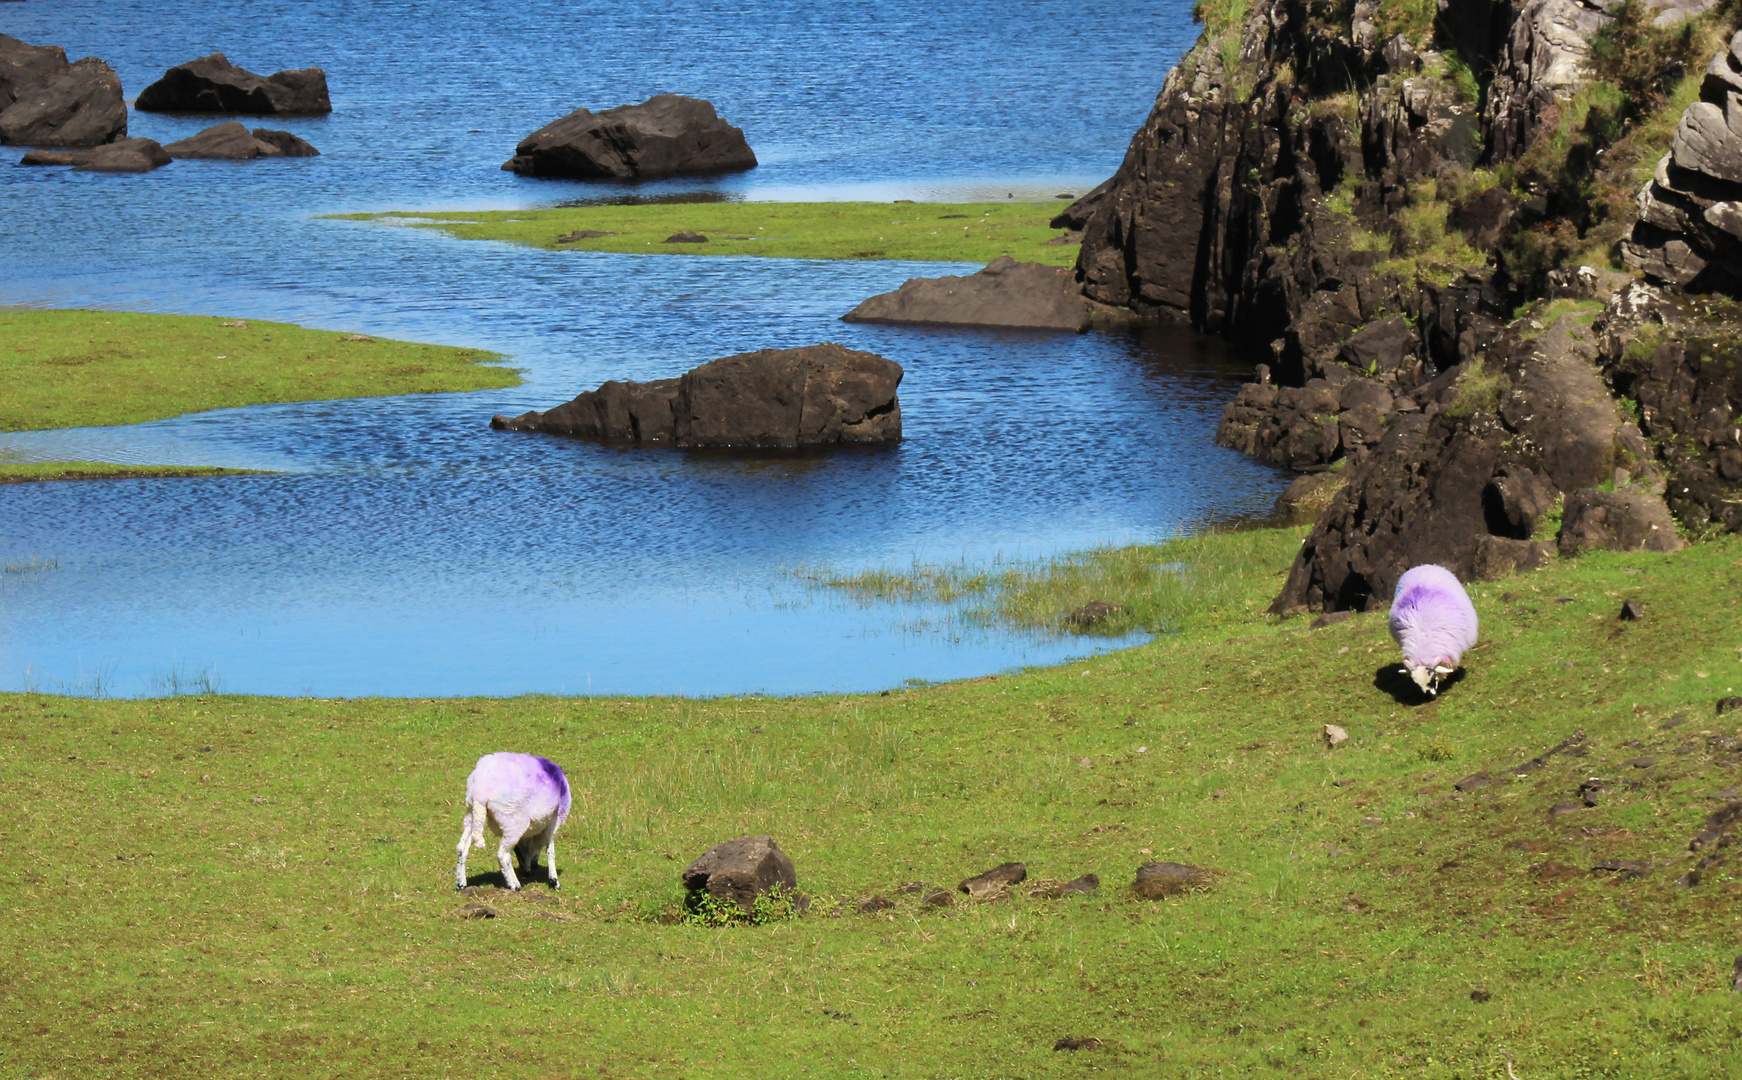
x: 1432, y: 618
x: 522, y: 781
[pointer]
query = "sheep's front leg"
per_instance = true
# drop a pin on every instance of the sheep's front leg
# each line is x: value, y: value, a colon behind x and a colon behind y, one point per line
x: 465, y: 842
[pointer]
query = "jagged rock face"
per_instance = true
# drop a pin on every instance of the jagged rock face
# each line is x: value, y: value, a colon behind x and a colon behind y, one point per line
x: 1465, y: 478
x: 211, y: 84
x: 80, y: 106
x: 1682, y: 364
x: 783, y: 398
x: 1540, y: 65
x: 1689, y: 231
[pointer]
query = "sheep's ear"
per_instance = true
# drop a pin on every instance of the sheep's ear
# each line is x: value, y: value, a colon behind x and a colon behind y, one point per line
x: 1441, y: 669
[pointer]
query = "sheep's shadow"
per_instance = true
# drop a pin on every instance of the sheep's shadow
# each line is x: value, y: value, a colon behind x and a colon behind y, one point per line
x: 1394, y: 679
x: 493, y: 879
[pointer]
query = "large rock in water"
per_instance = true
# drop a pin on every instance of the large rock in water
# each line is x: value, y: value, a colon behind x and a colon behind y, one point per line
x: 812, y: 396
x: 122, y: 155
x: 230, y: 141
x: 1006, y: 293
x: 739, y: 871
x: 80, y: 106
x: 24, y: 65
x: 212, y: 84
x: 666, y: 135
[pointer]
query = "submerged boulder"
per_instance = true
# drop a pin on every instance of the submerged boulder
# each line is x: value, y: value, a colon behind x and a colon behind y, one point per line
x: 122, y: 155
x: 211, y: 84
x: 230, y: 141
x: 666, y: 135
x: 79, y: 106
x: 1005, y: 293
x: 813, y: 396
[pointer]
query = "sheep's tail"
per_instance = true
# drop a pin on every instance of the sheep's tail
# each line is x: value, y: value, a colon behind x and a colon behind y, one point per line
x: 480, y: 814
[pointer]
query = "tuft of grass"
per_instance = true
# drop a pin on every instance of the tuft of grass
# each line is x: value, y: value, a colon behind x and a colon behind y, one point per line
x: 941, y: 232
x: 226, y: 885
x: 1161, y: 588
x: 29, y: 472
x: 1478, y: 390
x: 63, y: 368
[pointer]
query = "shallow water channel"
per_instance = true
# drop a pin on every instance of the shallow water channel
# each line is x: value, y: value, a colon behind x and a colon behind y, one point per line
x: 406, y: 549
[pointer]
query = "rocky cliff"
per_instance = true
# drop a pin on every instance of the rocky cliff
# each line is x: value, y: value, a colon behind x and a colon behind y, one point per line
x: 1414, y: 216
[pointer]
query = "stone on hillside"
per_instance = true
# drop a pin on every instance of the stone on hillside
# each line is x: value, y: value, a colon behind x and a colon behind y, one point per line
x: 1158, y: 879
x: 211, y: 84
x: 1335, y: 736
x: 739, y: 871
x: 686, y: 237
x: 121, y: 156
x: 80, y: 106
x: 994, y: 880
x: 24, y: 65
x: 230, y: 141
x: 666, y: 135
x: 1005, y: 293
x: 1056, y: 890
x: 817, y: 395
x: 1629, y: 520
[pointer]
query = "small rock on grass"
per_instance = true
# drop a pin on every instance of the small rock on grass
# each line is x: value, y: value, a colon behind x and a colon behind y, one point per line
x: 1095, y: 611
x: 585, y: 234
x: 477, y: 911
x: 1054, y: 890
x: 1335, y: 736
x: 1330, y: 618
x: 994, y: 880
x: 1631, y: 611
x: 1077, y: 1042
x: 685, y: 237
x: 1158, y: 879
x: 938, y: 898
x: 871, y: 905
x: 1729, y: 704
x: 1736, y: 987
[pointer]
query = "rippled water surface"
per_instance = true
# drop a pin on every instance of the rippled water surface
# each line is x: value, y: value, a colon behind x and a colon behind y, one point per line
x: 404, y: 548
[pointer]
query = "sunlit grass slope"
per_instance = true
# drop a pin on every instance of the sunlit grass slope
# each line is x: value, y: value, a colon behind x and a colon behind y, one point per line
x: 93, y: 368
x: 949, y: 232
x: 232, y: 886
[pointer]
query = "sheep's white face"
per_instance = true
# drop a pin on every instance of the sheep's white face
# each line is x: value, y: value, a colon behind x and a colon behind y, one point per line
x: 1428, y: 678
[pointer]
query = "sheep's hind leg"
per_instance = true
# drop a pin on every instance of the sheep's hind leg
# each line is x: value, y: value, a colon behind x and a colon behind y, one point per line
x: 550, y: 859
x: 505, y: 854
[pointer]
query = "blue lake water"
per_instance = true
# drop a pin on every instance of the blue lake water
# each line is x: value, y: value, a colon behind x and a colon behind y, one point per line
x: 405, y: 548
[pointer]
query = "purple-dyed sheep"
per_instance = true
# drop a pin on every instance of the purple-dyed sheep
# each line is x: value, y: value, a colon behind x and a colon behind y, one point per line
x: 523, y: 799
x: 1434, y: 621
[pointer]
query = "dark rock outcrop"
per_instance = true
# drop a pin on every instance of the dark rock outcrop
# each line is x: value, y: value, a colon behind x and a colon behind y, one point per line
x: 122, y: 156
x: 1005, y: 293
x: 79, y: 106
x: 812, y: 396
x: 211, y: 84
x: 666, y: 135
x: 739, y: 871
x: 1077, y: 214
x: 24, y: 65
x: 231, y: 141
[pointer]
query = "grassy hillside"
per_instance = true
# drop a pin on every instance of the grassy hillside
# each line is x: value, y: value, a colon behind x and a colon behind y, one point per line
x: 260, y: 887
x: 949, y: 232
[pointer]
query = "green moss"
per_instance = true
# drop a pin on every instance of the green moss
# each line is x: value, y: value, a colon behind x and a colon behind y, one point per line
x: 945, y: 232
x: 243, y: 886
x: 93, y: 368
x: 1478, y: 390
x: 19, y: 472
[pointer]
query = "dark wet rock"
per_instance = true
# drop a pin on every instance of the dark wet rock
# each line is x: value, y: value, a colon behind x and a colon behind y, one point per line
x: 1093, y: 612
x: 1725, y: 705
x: 1005, y: 293
x: 285, y: 143
x: 22, y: 66
x: 1486, y: 219
x: 1617, y: 521
x: 1517, y: 499
x: 994, y: 881
x: 939, y: 898
x: 122, y: 156
x: 1077, y: 215
x: 1480, y: 996
x: 739, y: 871
x: 1473, y: 781
x: 1064, y: 241
x: 231, y: 141
x: 1330, y: 618
x: 871, y: 905
x: 817, y: 395
x: 685, y: 237
x: 1591, y: 792
x: 582, y: 234
x: 1631, y: 611
x: 666, y: 135
x: 1055, y: 890
x: 1158, y: 879
x: 80, y: 106
x: 211, y: 84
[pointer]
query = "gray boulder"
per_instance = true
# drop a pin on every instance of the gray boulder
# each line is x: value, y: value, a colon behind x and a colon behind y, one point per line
x: 80, y: 106
x: 24, y: 65
x: 122, y: 156
x: 231, y: 141
x: 738, y: 871
x: 1006, y: 293
x: 211, y: 84
x: 1630, y: 520
x: 779, y: 398
x: 666, y: 135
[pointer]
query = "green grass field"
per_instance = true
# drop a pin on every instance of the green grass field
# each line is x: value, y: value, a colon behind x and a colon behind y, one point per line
x: 947, y: 232
x: 234, y: 886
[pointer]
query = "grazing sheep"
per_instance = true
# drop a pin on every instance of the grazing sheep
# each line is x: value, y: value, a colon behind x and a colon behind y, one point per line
x: 1434, y: 621
x: 523, y: 799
